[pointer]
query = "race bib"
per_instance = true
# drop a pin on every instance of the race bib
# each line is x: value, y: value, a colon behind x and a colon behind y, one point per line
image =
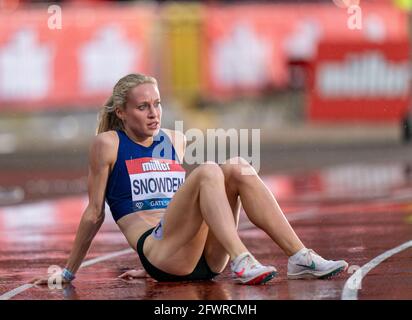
x: 154, y: 182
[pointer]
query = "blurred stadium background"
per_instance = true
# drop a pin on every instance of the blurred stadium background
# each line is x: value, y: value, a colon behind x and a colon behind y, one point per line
x: 326, y: 82
x: 320, y: 92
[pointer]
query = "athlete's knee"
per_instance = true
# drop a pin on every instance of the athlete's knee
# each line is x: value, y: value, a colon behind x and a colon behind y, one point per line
x: 210, y: 171
x: 236, y: 169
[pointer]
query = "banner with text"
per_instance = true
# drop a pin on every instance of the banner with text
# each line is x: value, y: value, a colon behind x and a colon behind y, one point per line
x: 359, y: 82
x: 248, y: 48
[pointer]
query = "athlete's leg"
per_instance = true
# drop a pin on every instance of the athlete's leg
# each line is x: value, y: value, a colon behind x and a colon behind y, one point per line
x: 260, y: 205
x: 263, y: 210
x: 216, y: 256
x: 200, y: 204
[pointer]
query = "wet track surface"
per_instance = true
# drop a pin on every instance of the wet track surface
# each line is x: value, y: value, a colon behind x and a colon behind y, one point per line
x: 351, y: 212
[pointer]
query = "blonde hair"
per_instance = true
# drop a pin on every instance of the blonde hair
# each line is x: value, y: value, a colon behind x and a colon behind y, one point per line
x: 108, y: 119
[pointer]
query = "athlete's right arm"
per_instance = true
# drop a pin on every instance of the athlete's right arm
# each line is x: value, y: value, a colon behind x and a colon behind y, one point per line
x: 102, y: 156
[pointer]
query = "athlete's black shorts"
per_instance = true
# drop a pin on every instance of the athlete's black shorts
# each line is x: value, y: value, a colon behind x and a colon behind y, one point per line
x: 201, y: 271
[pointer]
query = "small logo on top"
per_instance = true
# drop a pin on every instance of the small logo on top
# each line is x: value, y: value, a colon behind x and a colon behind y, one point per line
x: 155, y: 165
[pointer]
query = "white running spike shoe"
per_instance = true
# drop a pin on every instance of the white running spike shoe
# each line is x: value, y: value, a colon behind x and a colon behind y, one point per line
x: 309, y: 265
x: 247, y: 270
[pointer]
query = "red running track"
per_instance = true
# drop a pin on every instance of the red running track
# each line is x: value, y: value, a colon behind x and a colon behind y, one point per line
x: 354, y: 213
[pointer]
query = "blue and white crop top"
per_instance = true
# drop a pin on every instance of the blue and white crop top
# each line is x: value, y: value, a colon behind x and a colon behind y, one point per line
x: 143, y: 178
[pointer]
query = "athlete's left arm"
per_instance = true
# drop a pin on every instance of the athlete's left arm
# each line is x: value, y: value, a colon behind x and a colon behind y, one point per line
x: 179, y: 142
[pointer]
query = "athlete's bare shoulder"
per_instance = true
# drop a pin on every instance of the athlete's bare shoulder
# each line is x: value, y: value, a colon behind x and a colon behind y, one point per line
x: 104, y: 145
x: 107, y: 137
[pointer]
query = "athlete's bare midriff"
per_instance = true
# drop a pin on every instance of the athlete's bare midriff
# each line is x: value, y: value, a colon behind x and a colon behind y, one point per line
x: 135, y: 224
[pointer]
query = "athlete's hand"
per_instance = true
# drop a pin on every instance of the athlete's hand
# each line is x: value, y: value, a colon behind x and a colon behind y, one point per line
x: 40, y: 280
x: 134, y: 274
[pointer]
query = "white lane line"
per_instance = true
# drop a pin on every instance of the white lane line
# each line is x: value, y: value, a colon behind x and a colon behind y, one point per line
x: 106, y: 257
x: 352, y: 285
x: 243, y: 226
x: 10, y: 294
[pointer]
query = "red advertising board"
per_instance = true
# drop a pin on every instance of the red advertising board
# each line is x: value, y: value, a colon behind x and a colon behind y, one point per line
x: 248, y: 47
x: 73, y: 66
x: 359, y: 81
x: 244, y: 48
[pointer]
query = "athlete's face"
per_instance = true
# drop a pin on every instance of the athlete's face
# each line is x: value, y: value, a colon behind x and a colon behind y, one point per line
x: 143, y: 112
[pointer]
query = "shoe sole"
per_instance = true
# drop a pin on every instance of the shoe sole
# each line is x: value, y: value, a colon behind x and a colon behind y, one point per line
x: 314, y: 276
x: 261, y: 279
x: 333, y: 273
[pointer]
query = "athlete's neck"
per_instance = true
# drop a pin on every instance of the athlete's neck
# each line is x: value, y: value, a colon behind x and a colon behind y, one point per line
x: 144, y: 141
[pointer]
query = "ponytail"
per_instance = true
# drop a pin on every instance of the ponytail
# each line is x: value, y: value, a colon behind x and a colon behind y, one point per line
x: 107, y: 119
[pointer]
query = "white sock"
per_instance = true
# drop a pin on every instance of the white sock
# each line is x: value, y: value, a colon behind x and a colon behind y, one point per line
x: 297, y: 255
